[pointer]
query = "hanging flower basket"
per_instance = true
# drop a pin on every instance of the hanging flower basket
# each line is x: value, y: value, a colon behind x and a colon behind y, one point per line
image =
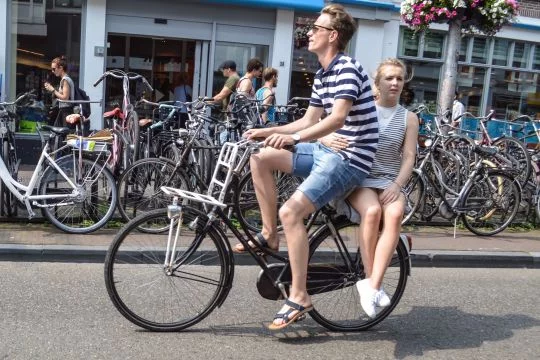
x: 477, y: 16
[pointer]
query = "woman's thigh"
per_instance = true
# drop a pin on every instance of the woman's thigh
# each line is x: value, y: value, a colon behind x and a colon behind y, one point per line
x: 362, y: 199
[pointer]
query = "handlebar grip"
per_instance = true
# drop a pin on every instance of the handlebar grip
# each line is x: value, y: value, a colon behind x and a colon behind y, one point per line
x: 147, y: 84
x: 99, y: 80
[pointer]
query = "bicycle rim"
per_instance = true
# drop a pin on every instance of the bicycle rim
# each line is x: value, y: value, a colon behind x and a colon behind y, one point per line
x: 339, y: 309
x: 140, y: 187
x: 92, y: 209
x: 140, y: 287
x: 491, y: 204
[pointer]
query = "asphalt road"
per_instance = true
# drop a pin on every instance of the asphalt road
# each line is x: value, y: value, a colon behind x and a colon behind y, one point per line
x: 61, y: 310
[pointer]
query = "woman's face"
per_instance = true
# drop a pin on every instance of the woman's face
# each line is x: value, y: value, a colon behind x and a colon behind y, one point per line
x: 391, y: 82
x: 55, y: 69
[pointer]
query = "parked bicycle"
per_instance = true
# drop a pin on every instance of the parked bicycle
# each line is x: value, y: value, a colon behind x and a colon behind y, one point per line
x: 173, y: 278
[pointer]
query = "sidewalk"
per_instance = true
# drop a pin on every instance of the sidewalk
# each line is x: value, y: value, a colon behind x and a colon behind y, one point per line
x: 432, y: 246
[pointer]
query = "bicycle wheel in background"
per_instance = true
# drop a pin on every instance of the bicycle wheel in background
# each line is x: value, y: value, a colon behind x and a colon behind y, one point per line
x: 160, y: 298
x: 334, y: 268
x: 491, y: 203
x: 517, y: 154
x: 96, y: 203
x: 139, y: 187
x: 3, y: 189
x: 132, y: 123
x: 414, y: 195
x: 11, y: 203
x: 248, y: 210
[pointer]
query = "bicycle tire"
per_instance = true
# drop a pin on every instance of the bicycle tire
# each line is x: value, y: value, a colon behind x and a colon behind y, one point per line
x: 246, y: 202
x: 340, y: 309
x: 3, y: 188
x: 145, y: 294
x: 537, y: 205
x: 491, y: 203
x: 133, y: 132
x: 11, y: 202
x: 514, y: 150
x: 139, y: 187
x: 93, y: 209
x: 414, y: 195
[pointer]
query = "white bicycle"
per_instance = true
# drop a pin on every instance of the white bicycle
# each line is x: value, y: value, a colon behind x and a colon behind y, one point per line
x: 76, y: 193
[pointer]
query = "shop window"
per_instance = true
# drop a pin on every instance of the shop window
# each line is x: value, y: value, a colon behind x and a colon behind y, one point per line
x: 240, y: 54
x: 514, y: 92
x: 500, y: 52
x: 433, y: 45
x: 304, y: 63
x: 463, y: 49
x: 521, y: 54
x: 470, y: 85
x: 536, y: 59
x: 409, y: 43
x: 479, y: 51
x: 424, y: 85
x: 41, y: 31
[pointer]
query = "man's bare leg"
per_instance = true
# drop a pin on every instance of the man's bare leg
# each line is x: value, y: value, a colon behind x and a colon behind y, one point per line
x: 292, y: 215
x: 263, y: 166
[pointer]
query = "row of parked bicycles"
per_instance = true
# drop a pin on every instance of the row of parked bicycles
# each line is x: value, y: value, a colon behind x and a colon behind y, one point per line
x: 79, y: 182
x: 466, y: 175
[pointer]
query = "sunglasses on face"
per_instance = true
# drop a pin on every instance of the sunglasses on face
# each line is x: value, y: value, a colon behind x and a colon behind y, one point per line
x: 315, y: 28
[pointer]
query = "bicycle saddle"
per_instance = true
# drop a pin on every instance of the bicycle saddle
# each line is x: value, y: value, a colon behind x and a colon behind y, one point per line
x: 56, y: 130
x: 116, y: 112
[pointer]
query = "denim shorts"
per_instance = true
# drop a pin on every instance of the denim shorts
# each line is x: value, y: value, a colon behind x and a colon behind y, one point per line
x: 327, y: 175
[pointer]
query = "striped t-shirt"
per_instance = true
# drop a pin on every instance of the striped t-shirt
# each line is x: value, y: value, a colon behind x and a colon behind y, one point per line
x: 346, y: 79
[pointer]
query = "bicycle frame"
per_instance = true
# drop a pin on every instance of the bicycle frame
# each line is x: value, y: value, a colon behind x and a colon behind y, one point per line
x: 24, y: 192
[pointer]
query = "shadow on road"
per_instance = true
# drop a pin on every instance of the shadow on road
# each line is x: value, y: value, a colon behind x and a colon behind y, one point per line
x: 422, y: 329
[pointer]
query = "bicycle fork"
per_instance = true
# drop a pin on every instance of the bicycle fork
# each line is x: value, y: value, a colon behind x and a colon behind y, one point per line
x: 174, y: 212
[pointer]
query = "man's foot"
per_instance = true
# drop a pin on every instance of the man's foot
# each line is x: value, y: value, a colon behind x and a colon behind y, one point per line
x: 368, y: 297
x: 290, y: 312
x: 260, y: 243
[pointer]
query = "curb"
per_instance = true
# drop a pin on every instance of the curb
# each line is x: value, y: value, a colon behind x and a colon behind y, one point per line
x: 420, y: 258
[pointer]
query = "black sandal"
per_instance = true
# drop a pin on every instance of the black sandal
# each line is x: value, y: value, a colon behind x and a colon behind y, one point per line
x: 300, y: 315
x: 259, y: 243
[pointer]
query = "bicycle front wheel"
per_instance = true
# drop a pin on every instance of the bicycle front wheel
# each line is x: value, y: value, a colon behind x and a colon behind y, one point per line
x: 335, y: 265
x: 414, y: 194
x: 133, y: 133
x: 97, y: 198
x: 491, y: 204
x: 167, y: 298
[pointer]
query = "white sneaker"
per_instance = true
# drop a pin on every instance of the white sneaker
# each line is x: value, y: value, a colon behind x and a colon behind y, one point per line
x: 382, y: 298
x: 368, y: 297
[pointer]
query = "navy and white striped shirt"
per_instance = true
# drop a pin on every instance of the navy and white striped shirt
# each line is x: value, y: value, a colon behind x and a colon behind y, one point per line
x: 346, y: 79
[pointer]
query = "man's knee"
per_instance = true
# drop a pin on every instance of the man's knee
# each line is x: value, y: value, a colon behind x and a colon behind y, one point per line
x: 295, y: 209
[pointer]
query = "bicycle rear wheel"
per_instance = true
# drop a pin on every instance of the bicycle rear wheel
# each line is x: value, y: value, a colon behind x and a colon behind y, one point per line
x: 160, y: 298
x: 132, y: 122
x: 335, y: 265
x: 248, y: 209
x: 96, y: 203
x: 140, y: 185
x: 491, y: 204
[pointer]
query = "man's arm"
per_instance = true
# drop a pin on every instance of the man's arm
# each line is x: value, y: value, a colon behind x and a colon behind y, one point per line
x: 225, y: 92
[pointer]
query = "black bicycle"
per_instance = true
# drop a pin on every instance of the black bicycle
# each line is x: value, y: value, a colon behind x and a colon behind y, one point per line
x: 171, y: 279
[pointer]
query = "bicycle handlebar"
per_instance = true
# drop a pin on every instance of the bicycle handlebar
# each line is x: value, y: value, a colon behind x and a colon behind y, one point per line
x: 119, y: 74
x: 19, y: 99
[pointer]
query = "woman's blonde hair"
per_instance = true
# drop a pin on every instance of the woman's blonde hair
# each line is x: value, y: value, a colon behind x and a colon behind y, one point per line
x: 391, y: 62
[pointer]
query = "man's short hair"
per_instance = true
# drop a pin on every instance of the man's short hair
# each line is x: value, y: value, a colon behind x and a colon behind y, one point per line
x: 228, y: 64
x: 342, y: 22
x: 269, y: 73
x: 254, y: 64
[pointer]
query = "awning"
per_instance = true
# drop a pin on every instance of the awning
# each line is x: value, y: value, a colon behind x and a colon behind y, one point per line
x: 304, y: 5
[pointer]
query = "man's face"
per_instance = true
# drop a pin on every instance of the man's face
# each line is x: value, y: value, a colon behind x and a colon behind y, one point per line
x: 275, y: 81
x: 258, y: 72
x: 226, y: 72
x: 319, y: 36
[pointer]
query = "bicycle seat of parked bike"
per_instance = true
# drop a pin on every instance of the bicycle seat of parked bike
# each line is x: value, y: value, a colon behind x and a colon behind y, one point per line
x: 56, y: 130
x: 116, y: 112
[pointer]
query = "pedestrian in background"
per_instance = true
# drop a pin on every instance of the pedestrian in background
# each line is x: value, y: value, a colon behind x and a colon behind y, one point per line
x: 65, y: 91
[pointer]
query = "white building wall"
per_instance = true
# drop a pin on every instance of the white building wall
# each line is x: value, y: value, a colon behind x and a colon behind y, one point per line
x: 369, y: 44
x: 281, y: 57
x: 92, y: 66
x: 4, y: 33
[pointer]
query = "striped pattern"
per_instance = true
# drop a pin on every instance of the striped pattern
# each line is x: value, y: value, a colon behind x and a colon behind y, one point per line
x: 346, y: 79
x: 387, y: 162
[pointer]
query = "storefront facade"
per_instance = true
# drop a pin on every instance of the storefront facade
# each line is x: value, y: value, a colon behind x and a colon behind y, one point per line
x: 164, y: 38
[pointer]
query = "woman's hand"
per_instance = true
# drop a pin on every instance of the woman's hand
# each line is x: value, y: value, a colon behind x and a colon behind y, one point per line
x: 390, y: 194
x: 334, y: 142
x: 49, y: 87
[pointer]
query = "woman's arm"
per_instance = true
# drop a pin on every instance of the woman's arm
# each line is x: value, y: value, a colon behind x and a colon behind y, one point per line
x: 65, y: 91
